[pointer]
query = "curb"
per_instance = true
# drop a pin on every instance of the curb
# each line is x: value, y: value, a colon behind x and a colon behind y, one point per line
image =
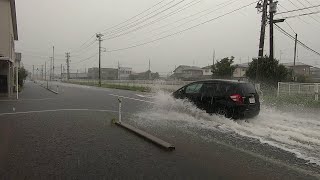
x: 49, y: 89
x: 147, y: 136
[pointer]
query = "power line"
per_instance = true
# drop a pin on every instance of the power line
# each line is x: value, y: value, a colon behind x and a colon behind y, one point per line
x: 233, y: 1
x: 293, y: 38
x: 82, y: 60
x: 305, y: 14
x: 298, y: 17
x: 199, y: 12
x: 88, y: 41
x: 124, y: 26
x: 77, y: 49
x: 229, y: 2
x: 156, y: 20
x: 144, y: 20
x: 192, y: 27
x: 311, y: 5
x: 288, y: 24
x: 308, y: 10
x: 298, y: 9
x: 134, y: 16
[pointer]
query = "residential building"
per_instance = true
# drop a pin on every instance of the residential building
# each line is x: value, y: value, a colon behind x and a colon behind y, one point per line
x: 80, y: 75
x: 124, y: 73
x: 207, y: 71
x: 240, y: 70
x: 147, y: 75
x: 18, y: 59
x: 299, y: 68
x: 315, y: 74
x: 187, y: 73
x: 8, y: 36
x: 106, y: 73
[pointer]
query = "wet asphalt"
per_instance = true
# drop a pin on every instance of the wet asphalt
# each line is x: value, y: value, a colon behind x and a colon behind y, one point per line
x: 70, y: 135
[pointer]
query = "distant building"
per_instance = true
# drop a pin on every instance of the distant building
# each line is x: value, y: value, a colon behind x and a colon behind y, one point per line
x: 106, y: 73
x: 315, y: 74
x: 299, y: 68
x: 124, y: 73
x: 148, y: 75
x: 207, y: 71
x: 75, y: 75
x: 187, y: 73
x: 240, y: 70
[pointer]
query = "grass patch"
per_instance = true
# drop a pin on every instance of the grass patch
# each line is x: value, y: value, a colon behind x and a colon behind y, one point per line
x: 115, y: 86
x: 305, y: 101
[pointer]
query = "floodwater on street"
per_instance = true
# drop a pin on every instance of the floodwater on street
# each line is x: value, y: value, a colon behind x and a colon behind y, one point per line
x: 293, y: 132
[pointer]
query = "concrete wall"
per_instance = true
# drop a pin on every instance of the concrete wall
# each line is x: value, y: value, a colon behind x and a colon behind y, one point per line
x: 6, y: 31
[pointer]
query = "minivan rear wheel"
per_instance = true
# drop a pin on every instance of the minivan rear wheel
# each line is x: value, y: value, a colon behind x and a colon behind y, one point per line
x: 223, y: 112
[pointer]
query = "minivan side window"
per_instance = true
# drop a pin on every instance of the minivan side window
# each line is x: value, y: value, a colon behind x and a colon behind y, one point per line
x: 193, y: 88
x: 209, y: 89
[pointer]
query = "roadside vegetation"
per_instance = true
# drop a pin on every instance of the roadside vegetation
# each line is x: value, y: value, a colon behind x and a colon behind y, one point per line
x: 115, y: 86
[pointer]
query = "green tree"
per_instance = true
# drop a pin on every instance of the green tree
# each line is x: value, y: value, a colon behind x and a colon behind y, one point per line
x: 223, y: 68
x: 269, y: 71
x: 22, y: 75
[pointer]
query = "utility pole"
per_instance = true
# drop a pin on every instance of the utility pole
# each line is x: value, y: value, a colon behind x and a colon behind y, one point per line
x: 272, y: 10
x: 118, y: 70
x: 50, y: 69
x: 32, y: 72
x: 99, y: 36
x: 45, y: 71
x: 68, y: 67
x: 17, y: 81
x: 262, y: 7
x: 295, y: 50
x: 295, y: 55
x: 149, y: 70
x: 61, y: 72
x: 53, y: 61
x: 42, y: 72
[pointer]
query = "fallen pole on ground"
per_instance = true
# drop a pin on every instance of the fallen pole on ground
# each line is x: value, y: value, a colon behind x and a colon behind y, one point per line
x: 143, y: 134
x: 147, y: 136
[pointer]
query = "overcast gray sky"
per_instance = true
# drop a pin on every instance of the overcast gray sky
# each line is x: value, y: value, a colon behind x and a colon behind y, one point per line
x: 69, y: 24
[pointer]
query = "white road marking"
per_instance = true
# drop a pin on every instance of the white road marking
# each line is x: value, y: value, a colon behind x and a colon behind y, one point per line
x: 132, y: 98
x: 57, y: 110
x: 145, y: 96
x: 21, y: 99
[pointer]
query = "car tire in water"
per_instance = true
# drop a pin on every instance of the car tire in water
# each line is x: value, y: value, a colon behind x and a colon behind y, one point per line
x: 223, y: 112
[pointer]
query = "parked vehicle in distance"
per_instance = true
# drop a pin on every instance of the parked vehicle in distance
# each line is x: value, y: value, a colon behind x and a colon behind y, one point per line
x: 231, y: 98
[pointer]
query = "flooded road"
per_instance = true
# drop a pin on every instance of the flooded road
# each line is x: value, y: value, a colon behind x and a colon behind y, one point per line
x: 294, y: 132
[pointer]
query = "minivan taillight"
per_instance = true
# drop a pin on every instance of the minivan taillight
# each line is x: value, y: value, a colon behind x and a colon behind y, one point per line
x: 237, y: 98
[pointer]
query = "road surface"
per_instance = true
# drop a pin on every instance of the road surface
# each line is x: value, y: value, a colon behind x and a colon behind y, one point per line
x: 70, y: 135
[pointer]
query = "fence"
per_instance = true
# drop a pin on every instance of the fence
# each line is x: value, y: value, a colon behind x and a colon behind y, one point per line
x: 302, y: 89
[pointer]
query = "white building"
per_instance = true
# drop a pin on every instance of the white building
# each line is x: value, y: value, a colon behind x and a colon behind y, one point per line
x: 8, y: 36
x: 207, y: 70
x: 240, y: 70
x: 124, y: 73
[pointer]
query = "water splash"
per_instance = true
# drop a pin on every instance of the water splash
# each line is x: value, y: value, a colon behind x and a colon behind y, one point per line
x: 290, y: 131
